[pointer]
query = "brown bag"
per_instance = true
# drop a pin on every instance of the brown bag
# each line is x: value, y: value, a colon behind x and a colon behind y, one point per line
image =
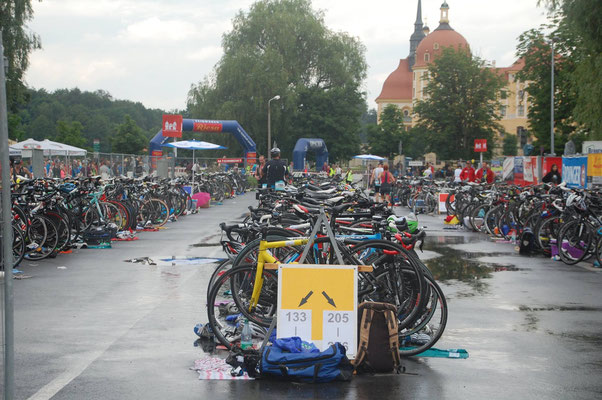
x: 378, y: 347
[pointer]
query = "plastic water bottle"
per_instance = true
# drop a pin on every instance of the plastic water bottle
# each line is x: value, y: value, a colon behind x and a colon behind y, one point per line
x: 246, y: 339
x: 513, y: 237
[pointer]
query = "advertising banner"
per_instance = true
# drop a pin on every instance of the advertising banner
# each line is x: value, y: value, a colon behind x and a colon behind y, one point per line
x: 574, y: 172
x: 508, y: 169
x: 530, y: 170
x: 594, y: 168
x: 518, y: 171
x: 480, y: 145
x: 229, y: 160
x: 172, y: 125
x: 549, y: 161
x: 251, y: 157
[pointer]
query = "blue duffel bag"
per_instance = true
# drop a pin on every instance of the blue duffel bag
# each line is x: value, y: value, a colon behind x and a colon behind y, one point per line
x: 329, y: 365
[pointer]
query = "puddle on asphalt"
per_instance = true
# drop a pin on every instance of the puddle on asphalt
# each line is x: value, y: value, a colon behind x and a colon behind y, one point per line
x: 462, y: 266
x: 174, y: 260
x: 559, y: 308
x: 205, y: 244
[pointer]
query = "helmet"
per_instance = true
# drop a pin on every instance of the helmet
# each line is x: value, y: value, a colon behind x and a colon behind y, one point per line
x: 275, y: 151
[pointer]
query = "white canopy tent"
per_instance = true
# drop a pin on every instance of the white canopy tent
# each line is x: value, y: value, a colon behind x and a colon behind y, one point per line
x: 49, y: 147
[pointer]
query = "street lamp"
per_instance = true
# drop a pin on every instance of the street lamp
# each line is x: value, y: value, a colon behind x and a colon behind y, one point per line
x: 552, y: 152
x: 277, y: 97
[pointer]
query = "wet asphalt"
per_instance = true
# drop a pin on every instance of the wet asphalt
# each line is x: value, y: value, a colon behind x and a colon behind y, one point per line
x: 91, y: 326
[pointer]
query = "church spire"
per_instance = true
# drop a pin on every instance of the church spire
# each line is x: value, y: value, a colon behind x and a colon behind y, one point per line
x: 417, y: 36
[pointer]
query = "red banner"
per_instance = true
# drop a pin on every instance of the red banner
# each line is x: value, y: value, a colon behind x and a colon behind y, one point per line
x: 206, y: 127
x: 480, y: 145
x: 172, y: 125
x: 156, y: 154
x: 251, y: 158
x: 229, y: 160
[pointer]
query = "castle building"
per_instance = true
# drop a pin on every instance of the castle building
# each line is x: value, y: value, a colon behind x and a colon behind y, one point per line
x: 405, y: 86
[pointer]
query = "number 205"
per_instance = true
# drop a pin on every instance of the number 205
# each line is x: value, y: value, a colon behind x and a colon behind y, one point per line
x: 338, y: 318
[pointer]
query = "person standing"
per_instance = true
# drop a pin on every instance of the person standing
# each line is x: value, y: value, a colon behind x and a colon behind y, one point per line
x: 274, y: 170
x: 386, y: 184
x: 375, y: 179
x: 467, y: 174
x: 259, y: 174
x: 457, y: 173
x: 485, y: 174
x: 553, y: 176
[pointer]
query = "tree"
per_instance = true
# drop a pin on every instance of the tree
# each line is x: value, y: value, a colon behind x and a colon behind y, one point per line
x: 510, y: 145
x: 70, y: 133
x: 579, y: 32
x: 128, y: 138
x: 384, y: 138
x: 534, y: 47
x: 460, y: 104
x: 282, y: 47
x: 18, y: 42
x: 339, y: 130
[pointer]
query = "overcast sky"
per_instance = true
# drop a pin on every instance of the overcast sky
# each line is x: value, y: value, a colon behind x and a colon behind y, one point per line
x: 152, y: 51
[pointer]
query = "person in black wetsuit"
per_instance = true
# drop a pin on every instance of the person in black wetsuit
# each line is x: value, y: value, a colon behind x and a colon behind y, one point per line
x: 275, y: 169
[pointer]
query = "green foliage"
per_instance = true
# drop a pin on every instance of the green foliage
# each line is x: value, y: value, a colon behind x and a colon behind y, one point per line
x: 70, y: 133
x: 128, y: 138
x: 97, y: 112
x: 282, y: 47
x: 510, y: 145
x: 460, y: 106
x: 340, y: 130
x: 535, y: 48
x: 18, y: 42
x: 384, y: 138
x: 576, y: 26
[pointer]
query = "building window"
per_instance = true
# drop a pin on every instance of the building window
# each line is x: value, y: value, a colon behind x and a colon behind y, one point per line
x: 521, y: 110
x: 436, y: 46
x: 503, y: 111
x: 427, y: 57
x: 510, y: 77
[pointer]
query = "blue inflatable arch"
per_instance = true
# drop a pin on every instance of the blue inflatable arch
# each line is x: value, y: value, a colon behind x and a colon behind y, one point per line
x: 303, y: 145
x: 204, y: 125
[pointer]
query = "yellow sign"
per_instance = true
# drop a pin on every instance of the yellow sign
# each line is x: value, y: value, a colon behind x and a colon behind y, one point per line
x: 318, y: 303
x: 594, y: 164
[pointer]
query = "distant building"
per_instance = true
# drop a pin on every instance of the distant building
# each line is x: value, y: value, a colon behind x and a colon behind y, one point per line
x: 404, y: 86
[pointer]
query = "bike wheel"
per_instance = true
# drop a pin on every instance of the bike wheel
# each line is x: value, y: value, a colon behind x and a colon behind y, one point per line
x: 574, y: 242
x: 224, y: 312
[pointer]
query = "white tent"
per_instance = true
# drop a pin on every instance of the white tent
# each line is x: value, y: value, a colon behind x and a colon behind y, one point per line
x: 49, y: 147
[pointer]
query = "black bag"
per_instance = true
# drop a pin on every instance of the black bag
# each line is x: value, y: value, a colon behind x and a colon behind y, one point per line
x: 96, y: 235
x: 527, y: 242
x: 378, y: 348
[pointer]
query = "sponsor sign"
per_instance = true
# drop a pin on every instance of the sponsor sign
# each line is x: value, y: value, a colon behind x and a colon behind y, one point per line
x: 508, y: 169
x: 480, y: 145
x: 251, y: 158
x: 172, y: 125
x: 229, y: 160
x: 415, y: 163
x: 199, y: 126
x: 574, y: 172
x: 594, y: 164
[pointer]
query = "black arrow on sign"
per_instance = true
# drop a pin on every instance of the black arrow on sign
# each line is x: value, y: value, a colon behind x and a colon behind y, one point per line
x: 330, y: 301
x: 304, y: 300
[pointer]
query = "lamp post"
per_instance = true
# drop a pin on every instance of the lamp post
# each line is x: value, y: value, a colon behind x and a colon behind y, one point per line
x: 277, y: 97
x: 552, y: 152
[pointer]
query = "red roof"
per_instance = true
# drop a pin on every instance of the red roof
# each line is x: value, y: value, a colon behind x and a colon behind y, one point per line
x: 398, y: 86
x: 444, y: 38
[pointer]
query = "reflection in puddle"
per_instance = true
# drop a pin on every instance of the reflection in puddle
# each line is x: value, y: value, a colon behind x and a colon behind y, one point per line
x: 460, y: 265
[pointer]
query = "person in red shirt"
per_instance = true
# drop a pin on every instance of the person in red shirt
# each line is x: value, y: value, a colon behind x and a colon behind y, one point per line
x: 467, y: 174
x: 485, y: 174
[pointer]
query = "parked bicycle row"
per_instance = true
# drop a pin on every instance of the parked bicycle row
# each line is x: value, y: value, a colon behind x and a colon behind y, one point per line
x: 553, y: 220
x: 52, y: 216
x: 278, y: 230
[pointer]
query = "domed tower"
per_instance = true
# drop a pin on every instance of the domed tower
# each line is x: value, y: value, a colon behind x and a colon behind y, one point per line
x: 430, y: 47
